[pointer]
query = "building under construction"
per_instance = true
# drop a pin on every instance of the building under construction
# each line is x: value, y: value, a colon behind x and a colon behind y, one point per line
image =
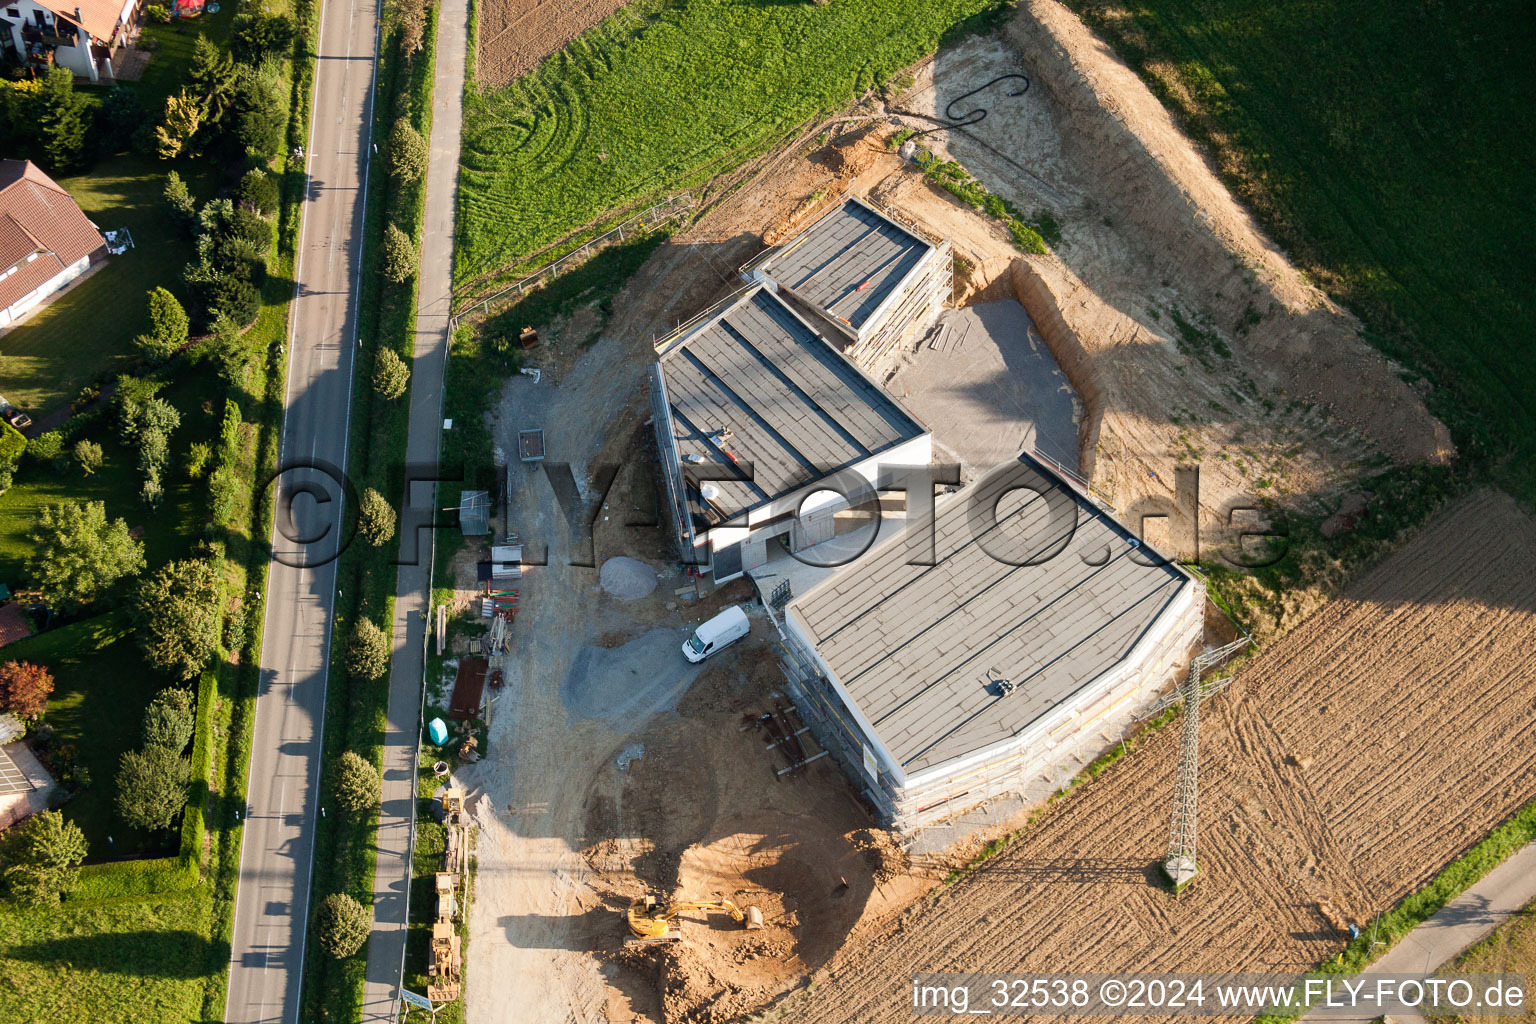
x: 946, y: 677
x: 869, y: 276
x: 753, y: 412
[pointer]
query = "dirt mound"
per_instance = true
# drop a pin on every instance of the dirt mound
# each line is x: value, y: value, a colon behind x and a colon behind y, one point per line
x: 1189, y: 335
x: 1338, y: 772
x: 704, y: 816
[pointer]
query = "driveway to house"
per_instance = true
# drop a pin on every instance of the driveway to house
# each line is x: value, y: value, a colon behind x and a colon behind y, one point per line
x: 282, y: 801
x: 434, y: 283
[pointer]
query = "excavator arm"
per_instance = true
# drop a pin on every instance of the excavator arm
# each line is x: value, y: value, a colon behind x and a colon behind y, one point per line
x: 652, y: 921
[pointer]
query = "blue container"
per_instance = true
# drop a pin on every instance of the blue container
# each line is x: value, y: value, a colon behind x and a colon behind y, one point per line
x: 437, y: 731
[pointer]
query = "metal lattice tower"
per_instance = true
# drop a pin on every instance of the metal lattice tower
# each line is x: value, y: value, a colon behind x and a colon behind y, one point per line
x: 1180, y: 867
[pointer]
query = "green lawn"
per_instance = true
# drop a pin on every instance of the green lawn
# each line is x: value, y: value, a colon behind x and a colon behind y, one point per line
x: 169, y: 530
x: 663, y: 92
x: 172, y: 47
x: 138, y: 960
x: 1389, y: 148
x: 87, y: 333
x: 99, y: 722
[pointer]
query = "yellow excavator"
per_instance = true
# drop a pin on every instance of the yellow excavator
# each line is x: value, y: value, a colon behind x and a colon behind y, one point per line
x: 652, y: 921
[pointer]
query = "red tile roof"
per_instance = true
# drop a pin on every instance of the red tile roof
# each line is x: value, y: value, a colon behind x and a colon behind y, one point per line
x: 42, y: 231
x: 98, y: 17
x: 13, y: 624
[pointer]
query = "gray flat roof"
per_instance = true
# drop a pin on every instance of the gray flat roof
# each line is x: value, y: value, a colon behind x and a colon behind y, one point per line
x: 917, y: 647
x: 795, y: 408
x: 848, y: 261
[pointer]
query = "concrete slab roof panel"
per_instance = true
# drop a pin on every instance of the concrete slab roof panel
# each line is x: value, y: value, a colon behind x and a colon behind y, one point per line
x: 795, y: 408
x: 848, y: 262
x: 917, y: 647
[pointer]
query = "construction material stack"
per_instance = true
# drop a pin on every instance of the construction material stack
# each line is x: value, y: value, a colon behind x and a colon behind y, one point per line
x: 446, y: 971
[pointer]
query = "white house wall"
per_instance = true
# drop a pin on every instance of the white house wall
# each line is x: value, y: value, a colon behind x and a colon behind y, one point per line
x: 770, y: 518
x: 30, y: 300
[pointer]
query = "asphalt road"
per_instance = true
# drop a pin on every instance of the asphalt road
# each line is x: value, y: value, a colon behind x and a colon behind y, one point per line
x: 386, y: 944
x: 276, y: 856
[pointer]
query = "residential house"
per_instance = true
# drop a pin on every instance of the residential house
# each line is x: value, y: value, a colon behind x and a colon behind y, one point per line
x: 45, y: 240
x: 80, y: 35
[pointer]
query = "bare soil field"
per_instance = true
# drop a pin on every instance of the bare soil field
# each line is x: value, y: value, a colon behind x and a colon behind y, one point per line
x: 1345, y: 765
x: 515, y: 35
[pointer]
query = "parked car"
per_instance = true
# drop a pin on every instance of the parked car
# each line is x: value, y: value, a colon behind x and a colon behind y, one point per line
x: 719, y: 632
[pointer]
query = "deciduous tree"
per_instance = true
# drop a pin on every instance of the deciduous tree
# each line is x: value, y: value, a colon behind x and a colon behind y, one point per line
x: 41, y: 858
x: 407, y: 153
x: 391, y: 376
x: 376, y: 518
x: 24, y: 688
x: 78, y: 555
x: 367, y: 651
x: 152, y: 787
x: 177, y: 610
x: 342, y: 925
x: 399, y: 255
x: 354, y: 783
x: 89, y: 456
x: 170, y: 719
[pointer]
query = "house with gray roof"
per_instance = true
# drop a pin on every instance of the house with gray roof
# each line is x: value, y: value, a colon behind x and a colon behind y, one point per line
x: 957, y: 660
x: 754, y: 411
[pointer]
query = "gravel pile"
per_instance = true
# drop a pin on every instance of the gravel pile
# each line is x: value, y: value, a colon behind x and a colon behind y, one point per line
x: 627, y: 579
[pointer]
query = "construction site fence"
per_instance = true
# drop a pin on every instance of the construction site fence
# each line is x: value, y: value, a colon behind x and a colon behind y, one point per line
x: 645, y: 221
x: 672, y: 338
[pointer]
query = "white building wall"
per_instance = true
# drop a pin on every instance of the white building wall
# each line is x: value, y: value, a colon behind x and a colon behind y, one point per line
x: 933, y: 794
x: 30, y: 300
x: 820, y: 505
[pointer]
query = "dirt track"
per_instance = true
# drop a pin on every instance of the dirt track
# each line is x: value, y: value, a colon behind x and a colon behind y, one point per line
x: 1345, y: 765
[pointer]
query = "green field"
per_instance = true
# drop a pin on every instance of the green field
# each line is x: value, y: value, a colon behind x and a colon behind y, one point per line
x: 87, y: 333
x: 663, y: 94
x: 1389, y: 147
x: 140, y: 960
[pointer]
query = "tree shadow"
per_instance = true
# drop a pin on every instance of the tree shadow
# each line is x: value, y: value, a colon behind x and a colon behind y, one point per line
x: 177, y: 954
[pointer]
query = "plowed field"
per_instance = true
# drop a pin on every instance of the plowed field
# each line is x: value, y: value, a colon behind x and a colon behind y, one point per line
x: 514, y: 35
x: 1339, y: 772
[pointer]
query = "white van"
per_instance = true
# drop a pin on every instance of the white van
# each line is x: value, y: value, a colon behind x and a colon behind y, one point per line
x: 721, y: 631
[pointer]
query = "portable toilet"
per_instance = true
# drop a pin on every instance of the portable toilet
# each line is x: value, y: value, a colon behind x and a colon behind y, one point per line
x: 437, y: 731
